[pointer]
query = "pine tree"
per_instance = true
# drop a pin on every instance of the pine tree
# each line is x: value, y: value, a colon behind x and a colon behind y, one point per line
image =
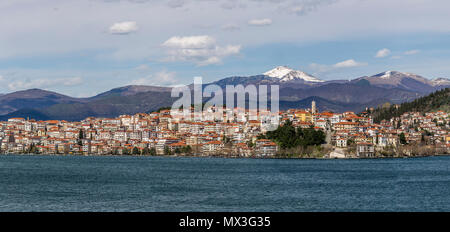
x: 402, y: 138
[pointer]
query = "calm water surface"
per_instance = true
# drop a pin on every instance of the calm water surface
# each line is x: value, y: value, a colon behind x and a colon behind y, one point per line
x: 71, y: 183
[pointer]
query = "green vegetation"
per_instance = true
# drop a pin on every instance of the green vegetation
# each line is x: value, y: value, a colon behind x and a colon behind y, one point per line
x: 32, y: 149
x: 287, y: 136
x: 167, y: 151
x: 439, y: 100
x: 402, y: 138
x: 183, y: 150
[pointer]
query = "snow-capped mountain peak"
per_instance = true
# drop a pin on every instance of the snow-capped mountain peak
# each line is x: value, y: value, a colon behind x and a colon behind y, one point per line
x: 287, y: 74
x: 394, y: 74
x: 386, y: 75
x: 441, y: 82
x: 399, y: 76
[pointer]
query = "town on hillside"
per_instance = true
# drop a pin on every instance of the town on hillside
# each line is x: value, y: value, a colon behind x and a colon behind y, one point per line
x: 301, y: 133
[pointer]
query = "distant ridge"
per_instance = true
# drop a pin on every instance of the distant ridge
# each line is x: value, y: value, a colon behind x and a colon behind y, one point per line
x: 33, y: 98
x: 408, y: 81
x: 296, y: 89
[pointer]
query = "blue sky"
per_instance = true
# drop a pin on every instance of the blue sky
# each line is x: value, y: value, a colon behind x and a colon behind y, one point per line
x: 85, y: 47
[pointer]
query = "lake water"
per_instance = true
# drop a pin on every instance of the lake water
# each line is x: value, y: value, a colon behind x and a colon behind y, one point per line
x: 73, y: 183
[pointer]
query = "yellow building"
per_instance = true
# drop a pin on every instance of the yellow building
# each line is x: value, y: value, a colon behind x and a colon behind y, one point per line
x: 304, y: 116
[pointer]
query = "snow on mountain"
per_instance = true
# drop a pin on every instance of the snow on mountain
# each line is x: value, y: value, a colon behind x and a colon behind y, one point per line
x: 287, y: 74
x: 440, y: 82
x: 386, y: 75
x: 395, y: 77
x: 403, y: 80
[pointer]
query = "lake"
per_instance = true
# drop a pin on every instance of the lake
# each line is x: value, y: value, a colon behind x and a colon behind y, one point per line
x: 119, y: 183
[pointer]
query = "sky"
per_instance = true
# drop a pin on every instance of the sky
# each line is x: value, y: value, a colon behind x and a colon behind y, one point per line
x: 85, y: 47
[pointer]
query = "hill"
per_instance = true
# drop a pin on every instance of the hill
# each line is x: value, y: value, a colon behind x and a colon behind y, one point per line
x: 105, y: 106
x: 439, y: 100
x: 33, y: 98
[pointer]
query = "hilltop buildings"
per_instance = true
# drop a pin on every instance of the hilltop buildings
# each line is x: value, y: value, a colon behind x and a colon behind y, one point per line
x: 163, y: 133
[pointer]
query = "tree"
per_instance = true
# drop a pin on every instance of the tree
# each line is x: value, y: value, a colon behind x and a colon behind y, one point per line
x: 167, y: 151
x: 226, y: 139
x: 250, y: 144
x: 402, y: 138
x: 136, y: 151
x: 80, y: 134
x: 188, y: 149
x: 287, y: 136
x: 435, y: 101
x: 152, y: 151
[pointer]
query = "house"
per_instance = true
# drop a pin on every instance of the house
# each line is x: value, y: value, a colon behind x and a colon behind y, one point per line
x: 341, y: 142
x: 266, y: 149
x: 212, y: 147
x: 304, y: 116
x: 321, y: 123
x: 345, y: 126
x: 365, y: 150
x: 178, y: 145
x: 242, y: 149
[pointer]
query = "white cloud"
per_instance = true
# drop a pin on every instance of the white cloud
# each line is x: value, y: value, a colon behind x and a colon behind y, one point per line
x: 86, y: 94
x: 142, y: 67
x: 24, y: 36
x: 349, y: 64
x: 412, y: 52
x: 298, y: 10
x: 44, y: 83
x: 202, y: 50
x: 163, y: 78
x: 260, y: 22
x: 2, y: 78
x: 231, y: 27
x: 123, y: 28
x: 176, y: 3
x: 383, y: 53
x: 320, y: 68
x: 229, y: 5
x: 302, y: 7
x: 190, y: 42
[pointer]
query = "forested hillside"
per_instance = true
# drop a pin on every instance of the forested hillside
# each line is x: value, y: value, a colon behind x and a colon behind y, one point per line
x: 439, y: 100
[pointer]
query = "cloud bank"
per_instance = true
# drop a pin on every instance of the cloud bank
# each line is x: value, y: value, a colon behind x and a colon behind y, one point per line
x: 201, y: 50
x: 123, y: 28
x: 260, y: 22
x: 383, y: 53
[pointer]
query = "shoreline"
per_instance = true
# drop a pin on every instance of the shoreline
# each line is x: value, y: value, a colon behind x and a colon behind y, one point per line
x: 226, y: 157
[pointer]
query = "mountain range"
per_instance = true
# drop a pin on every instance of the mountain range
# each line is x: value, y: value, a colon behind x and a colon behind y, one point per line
x: 297, y: 90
